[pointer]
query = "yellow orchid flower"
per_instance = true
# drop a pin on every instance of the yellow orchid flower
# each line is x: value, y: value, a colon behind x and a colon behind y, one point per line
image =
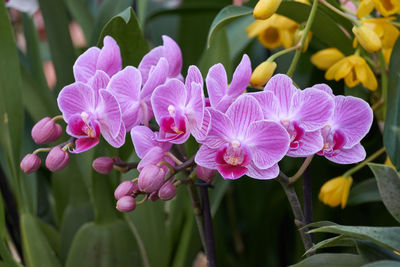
x: 386, y: 31
x: 365, y: 8
x: 262, y: 73
x: 325, y: 58
x: 264, y: 9
x: 387, y: 7
x: 368, y: 39
x: 336, y: 191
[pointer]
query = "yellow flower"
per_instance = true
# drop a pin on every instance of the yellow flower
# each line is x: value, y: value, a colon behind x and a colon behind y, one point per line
x: 265, y: 8
x: 336, y: 191
x: 273, y: 32
x: 325, y: 58
x: 387, y: 52
x: 386, y: 31
x: 353, y: 69
x: 262, y: 73
x: 368, y: 39
x: 387, y: 7
x: 365, y: 8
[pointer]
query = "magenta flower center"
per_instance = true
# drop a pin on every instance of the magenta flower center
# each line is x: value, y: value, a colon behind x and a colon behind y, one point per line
x: 232, y: 159
x: 296, y: 133
x: 333, y: 141
x: 174, y: 123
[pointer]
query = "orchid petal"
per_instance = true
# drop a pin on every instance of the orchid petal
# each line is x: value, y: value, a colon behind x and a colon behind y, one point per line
x: 262, y: 174
x: 85, y: 66
x: 109, y: 114
x: 109, y: 60
x: 149, y: 60
x: 241, y: 78
x: 311, y: 143
x: 283, y: 88
x: 156, y: 77
x: 99, y: 81
x: 206, y: 156
x: 217, y: 84
x: 144, y: 139
x: 173, y: 54
x: 153, y: 156
x: 193, y: 76
x: 116, y: 141
x: 269, y: 104
x: 325, y: 88
x: 349, y: 155
x: 221, y: 129
x: 232, y: 172
x: 201, y: 133
x: 84, y: 144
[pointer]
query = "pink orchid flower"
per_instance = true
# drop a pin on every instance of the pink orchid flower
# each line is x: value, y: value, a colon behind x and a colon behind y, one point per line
x: 301, y: 112
x: 179, y: 108
x: 144, y: 139
x: 221, y: 96
x: 240, y: 142
x: 351, y: 120
x: 91, y: 111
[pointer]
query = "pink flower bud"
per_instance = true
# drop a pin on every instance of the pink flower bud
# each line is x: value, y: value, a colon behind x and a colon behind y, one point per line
x: 125, y: 188
x: 30, y: 163
x: 153, y: 196
x: 103, y: 165
x: 126, y: 204
x: 167, y: 191
x: 205, y: 174
x: 151, y: 178
x: 57, y: 159
x: 46, y: 131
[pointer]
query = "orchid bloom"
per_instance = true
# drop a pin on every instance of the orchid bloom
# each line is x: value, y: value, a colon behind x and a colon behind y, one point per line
x: 107, y: 59
x: 301, y: 112
x: 240, y: 142
x: 179, y: 108
x: 91, y: 111
x: 144, y: 139
x: 221, y: 95
x: 350, y: 122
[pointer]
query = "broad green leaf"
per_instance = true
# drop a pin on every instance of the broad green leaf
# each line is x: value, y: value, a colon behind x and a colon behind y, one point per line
x: 37, y: 250
x: 384, y: 263
x: 371, y: 252
x: 5, y: 255
x: 324, y: 27
x: 2, y: 219
x: 224, y: 17
x: 388, y: 237
x: 237, y: 36
x: 391, y: 137
x: 56, y: 20
x: 337, y: 241
x: 51, y: 234
x: 217, y: 193
x: 104, y: 245
x: 331, y: 260
x: 125, y: 29
x: 81, y: 13
x: 389, y: 187
x: 364, y: 192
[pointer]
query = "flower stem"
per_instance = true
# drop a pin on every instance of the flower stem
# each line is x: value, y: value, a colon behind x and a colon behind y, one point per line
x: 362, y: 164
x: 58, y: 117
x: 282, y: 52
x: 297, y: 211
x: 301, y: 170
x: 303, y: 39
x: 341, y: 13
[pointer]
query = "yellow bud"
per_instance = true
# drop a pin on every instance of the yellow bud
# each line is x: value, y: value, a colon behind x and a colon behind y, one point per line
x: 325, y: 58
x: 336, y: 191
x: 297, y: 38
x: 367, y: 38
x: 262, y: 73
x: 265, y: 8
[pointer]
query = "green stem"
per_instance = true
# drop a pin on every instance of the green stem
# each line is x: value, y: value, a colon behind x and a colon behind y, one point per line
x: 362, y: 164
x: 303, y: 39
x: 341, y: 13
x: 301, y: 170
x: 282, y: 52
x: 198, y: 212
x: 384, y: 80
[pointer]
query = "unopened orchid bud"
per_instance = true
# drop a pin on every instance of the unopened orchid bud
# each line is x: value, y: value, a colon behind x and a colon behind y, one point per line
x: 265, y: 8
x: 126, y: 204
x: 125, y: 188
x: 46, y: 131
x: 30, y: 163
x: 297, y: 38
x: 367, y: 38
x: 205, y: 174
x: 103, y: 165
x: 151, y: 178
x: 154, y: 196
x: 57, y: 159
x: 262, y: 73
x: 167, y: 191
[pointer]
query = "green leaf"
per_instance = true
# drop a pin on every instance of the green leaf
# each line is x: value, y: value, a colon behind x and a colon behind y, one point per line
x: 56, y: 20
x: 384, y: 263
x: 389, y: 187
x: 125, y: 29
x: 364, y: 192
x: 37, y: 250
x: 331, y: 260
x: 388, y: 237
x: 224, y: 17
x: 337, y: 241
x: 371, y: 252
x: 237, y: 36
x: 391, y: 137
x: 324, y: 27
x: 104, y: 245
x: 82, y: 15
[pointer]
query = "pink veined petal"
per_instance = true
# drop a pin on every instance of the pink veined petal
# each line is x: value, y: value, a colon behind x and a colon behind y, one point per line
x: 217, y: 84
x: 262, y: 174
x: 241, y: 78
x: 353, y: 117
x: 312, y: 108
x: 156, y: 77
x: 116, y: 141
x: 206, y: 157
x: 269, y: 104
x: 193, y: 76
x: 109, y: 60
x: 221, y: 130
x: 75, y: 99
x: 98, y: 81
x: 174, y: 138
x: 311, y: 143
x: 195, y: 107
x: 85, y: 66
x: 109, y: 114
x: 153, y: 156
x: 172, y: 93
x: 201, y: 133
x: 232, y: 172
x: 75, y: 126
x: 149, y: 60
x: 282, y: 86
x: 268, y: 142
x: 84, y: 144
x: 325, y: 88
x: 125, y: 86
x: 349, y: 155
x: 242, y: 113
x: 144, y: 139
x: 173, y: 54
